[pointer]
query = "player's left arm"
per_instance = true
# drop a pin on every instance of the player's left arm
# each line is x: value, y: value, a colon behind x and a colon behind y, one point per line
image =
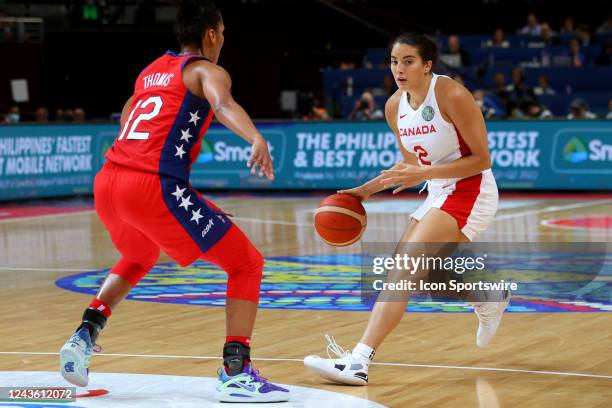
x: 459, y: 105
x: 216, y: 85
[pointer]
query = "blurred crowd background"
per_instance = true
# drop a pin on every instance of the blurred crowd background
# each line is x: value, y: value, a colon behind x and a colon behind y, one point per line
x: 75, y: 61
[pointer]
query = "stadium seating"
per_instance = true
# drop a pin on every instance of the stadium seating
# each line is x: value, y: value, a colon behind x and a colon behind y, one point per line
x: 591, y: 83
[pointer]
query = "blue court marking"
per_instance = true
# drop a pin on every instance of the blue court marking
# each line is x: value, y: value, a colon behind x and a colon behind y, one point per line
x: 333, y: 282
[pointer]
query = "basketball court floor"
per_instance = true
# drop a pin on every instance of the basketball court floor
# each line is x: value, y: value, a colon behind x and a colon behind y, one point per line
x: 162, y: 346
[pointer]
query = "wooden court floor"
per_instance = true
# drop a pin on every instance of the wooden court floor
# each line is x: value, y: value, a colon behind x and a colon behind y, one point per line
x: 431, y: 360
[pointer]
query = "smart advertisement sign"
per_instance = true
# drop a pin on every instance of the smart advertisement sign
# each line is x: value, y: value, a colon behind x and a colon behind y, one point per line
x: 44, y: 161
x: 306, y: 155
x: 525, y: 154
x: 552, y: 154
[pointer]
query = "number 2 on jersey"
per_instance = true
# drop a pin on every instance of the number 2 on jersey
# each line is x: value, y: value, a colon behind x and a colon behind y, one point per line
x: 421, y: 154
x: 133, y: 134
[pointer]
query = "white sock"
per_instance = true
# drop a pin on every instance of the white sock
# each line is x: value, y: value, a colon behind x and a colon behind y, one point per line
x: 363, y: 352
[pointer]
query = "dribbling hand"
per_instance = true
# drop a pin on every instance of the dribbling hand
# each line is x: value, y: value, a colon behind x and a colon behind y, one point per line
x: 260, y: 157
x: 405, y: 175
x: 357, y: 192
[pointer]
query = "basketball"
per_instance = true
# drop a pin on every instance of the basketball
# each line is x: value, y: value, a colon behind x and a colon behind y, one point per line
x: 340, y: 220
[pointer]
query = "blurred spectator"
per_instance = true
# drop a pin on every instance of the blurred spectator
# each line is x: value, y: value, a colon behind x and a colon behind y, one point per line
x: 543, y: 87
x: 59, y: 115
x: 78, y: 115
x: 317, y: 113
x: 13, y: 114
x: 532, y: 27
x: 387, y: 89
x: 609, y: 114
x: 389, y: 85
x: 498, y: 40
x: 605, y: 56
x: 577, y: 58
x: 568, y: 26
x: 487, y: 105
x: 606, y: 27
x: 312, y: 108
x: 456, y: 55
x: 532, y: 109
x: 547, y: 36
x: 41, y: 115
x: 518, y: 90
x: 499, y: 88
x: 365, y: 108
x: 68, y: 115
x: 580, y: 110
x: 584, y: 35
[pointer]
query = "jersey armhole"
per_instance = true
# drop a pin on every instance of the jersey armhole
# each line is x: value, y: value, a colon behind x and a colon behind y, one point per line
x: 450, y: 125
x: 183, y: 65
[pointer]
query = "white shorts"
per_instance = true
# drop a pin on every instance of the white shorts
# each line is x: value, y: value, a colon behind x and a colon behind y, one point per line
x: 472, y: 201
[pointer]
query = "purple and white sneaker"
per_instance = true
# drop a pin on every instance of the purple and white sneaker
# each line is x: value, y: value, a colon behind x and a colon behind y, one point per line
x: 248, y: 386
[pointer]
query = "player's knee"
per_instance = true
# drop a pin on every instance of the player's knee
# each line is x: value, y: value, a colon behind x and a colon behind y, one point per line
x: 133, y: 270
x: 244, y: 276
x: 257, y: 263
x: 250, y: 263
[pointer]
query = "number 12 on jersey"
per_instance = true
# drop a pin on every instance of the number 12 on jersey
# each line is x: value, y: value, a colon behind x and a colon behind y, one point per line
x: 133, y: 134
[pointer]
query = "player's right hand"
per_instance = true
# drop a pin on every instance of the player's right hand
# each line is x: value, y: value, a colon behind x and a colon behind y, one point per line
x: 260, y: 157
x: 357, y: 192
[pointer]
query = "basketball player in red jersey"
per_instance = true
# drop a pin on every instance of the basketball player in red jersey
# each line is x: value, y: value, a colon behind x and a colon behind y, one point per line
x: 144, y: 199
x: 443, y: 139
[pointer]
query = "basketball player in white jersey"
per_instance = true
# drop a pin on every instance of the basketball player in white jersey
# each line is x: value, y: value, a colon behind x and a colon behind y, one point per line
x: 443, y: 139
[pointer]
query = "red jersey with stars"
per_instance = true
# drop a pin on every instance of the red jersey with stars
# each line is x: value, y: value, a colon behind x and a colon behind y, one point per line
x: 163, y: 131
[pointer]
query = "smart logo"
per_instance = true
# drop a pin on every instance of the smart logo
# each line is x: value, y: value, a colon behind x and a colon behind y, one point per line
x: 575, y: 151
x: 225, y: 147
x: 584, y: 151
x: 206, y: 154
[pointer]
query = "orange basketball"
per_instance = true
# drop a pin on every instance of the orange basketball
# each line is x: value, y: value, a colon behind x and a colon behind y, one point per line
x: 340, y: 220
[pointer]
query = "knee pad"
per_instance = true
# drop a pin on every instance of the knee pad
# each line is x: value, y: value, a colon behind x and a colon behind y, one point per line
x: 133, y: 271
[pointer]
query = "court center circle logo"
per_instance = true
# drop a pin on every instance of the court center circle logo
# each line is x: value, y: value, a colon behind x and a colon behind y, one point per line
x: 320, y: 282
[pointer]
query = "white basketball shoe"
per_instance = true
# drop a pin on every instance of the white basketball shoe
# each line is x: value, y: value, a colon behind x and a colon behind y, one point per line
x: 345, y: 368
x: 489, y: 317
x: 75, y: 356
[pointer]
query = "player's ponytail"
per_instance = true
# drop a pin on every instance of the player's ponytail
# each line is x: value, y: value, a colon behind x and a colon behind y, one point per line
x: 193, y: 18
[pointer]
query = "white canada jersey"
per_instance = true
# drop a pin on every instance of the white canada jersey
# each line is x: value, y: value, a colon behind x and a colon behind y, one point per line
x: 426, y: 134
x: 473, y: 200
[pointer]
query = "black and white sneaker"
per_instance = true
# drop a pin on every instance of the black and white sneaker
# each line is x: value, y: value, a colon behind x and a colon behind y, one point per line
x: 345, y: 368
